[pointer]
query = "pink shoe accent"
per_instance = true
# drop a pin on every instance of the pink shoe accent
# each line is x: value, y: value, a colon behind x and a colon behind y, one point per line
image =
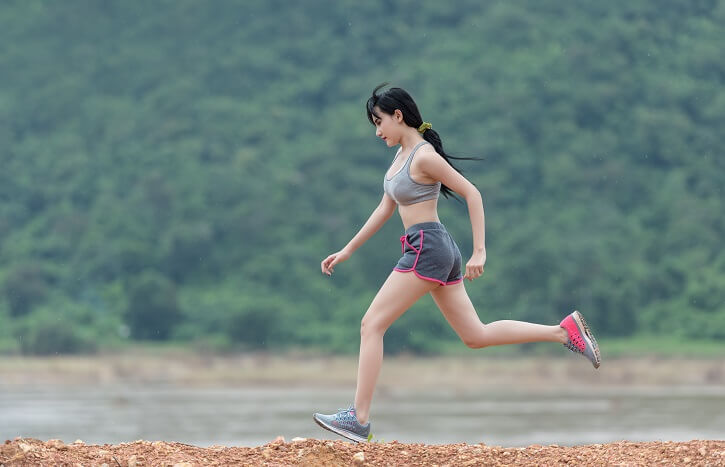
x: 575, y: 337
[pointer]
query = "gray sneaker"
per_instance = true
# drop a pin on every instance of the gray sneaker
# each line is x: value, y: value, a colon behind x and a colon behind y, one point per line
x: 345, y: 424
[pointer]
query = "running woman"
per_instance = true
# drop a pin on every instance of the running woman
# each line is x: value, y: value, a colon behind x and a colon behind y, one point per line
x: 431, y: 261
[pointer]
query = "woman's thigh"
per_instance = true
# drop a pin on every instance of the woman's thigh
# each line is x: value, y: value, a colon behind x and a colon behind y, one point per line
x: 457, y: 308
x: 398, y: 293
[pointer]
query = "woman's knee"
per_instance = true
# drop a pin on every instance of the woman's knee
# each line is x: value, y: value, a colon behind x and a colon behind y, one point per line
x: 475, y: 340
x: 370, y: 326
x: 474, y: 344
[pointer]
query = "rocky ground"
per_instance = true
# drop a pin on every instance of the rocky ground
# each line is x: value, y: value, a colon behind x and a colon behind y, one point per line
x: 312, y: 452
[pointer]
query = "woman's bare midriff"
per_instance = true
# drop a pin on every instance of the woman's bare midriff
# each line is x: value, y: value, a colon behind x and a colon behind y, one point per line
x: 425, y: 211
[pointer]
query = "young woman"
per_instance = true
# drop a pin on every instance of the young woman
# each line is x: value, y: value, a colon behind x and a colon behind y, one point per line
x: 431, y: 262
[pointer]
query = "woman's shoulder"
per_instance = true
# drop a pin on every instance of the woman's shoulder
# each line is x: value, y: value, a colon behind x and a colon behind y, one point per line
x: 427, y: 151
x: 430, y: 162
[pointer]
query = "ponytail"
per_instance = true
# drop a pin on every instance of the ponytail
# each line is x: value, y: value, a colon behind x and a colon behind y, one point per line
x: 434, y: 139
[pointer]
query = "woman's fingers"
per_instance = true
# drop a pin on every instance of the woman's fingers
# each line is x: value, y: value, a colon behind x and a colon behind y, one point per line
x: 323, y: 264
x: 473, y: 272
x: 327, y: 264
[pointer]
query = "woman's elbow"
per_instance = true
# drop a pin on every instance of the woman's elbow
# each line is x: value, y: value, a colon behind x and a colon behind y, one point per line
x: 472, y: 194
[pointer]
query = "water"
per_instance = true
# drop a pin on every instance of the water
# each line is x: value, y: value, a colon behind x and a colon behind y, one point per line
x: 251, y: 416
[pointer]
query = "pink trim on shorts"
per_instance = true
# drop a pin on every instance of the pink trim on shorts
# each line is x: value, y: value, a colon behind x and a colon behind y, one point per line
x: 405, y: 238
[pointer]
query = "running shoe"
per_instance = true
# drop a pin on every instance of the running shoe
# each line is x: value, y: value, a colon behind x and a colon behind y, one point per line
x: 581, y: 339
x: 345, y: 424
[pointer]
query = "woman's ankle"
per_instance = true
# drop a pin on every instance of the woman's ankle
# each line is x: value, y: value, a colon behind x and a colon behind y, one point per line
x: 362, y: 417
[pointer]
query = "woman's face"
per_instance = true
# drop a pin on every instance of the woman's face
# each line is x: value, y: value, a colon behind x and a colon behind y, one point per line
x: 388, y: 127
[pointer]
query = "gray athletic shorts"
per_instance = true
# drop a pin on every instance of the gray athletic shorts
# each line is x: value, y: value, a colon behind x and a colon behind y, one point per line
x: 431, y: 253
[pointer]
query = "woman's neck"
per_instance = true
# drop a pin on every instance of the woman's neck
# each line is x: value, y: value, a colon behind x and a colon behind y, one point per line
x: 409, y: 140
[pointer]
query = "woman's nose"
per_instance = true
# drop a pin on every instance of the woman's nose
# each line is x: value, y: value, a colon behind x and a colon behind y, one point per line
x: 378, y: 133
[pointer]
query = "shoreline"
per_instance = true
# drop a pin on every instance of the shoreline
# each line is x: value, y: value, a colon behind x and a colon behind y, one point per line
x: 446, y: 372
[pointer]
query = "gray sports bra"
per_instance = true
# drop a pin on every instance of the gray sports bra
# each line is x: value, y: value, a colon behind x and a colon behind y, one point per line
x: 404, y: 190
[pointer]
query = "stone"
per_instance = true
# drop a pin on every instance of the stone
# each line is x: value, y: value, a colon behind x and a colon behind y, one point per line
x: 55, y: 443
x: 359, y: 458
x: 25, y: 447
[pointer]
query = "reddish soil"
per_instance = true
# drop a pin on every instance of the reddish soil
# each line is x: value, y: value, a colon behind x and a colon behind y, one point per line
x: 28, y: 451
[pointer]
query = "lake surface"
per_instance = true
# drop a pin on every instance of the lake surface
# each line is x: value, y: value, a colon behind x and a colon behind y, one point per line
x: 251, y: 416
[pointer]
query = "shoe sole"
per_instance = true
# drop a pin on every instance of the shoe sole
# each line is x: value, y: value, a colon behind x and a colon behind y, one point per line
x: 339, y: 431
x: 592, y: 342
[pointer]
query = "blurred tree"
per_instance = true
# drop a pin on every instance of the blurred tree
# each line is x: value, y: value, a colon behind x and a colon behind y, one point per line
x: 152, y: 311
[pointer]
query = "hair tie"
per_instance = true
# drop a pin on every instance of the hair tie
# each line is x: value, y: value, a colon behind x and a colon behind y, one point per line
x: 424, y: 126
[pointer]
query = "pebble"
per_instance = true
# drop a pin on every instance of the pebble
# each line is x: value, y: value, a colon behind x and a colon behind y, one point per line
x: 79, y: 442
x: 298, y: 440
x: 359, y: 458
x: 25, y: 447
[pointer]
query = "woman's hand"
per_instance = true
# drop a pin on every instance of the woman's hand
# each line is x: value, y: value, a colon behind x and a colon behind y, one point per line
x: 474, y: 267
x: 328, y: 264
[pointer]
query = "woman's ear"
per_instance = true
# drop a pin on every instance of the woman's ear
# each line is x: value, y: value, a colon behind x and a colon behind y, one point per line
x: 398, y: 115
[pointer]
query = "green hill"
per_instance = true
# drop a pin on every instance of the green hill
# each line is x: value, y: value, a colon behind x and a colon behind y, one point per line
x: 176, y: 170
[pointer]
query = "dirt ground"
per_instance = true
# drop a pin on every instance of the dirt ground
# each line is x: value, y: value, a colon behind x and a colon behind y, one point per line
x: 313, y: 452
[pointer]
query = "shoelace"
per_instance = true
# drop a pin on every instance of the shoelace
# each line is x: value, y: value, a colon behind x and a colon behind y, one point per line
x: 347, y: 416
x: 346, y: 411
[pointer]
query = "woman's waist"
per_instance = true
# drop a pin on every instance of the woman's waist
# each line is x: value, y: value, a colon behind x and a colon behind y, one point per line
x: 425, y: 226
x: 421, y: 222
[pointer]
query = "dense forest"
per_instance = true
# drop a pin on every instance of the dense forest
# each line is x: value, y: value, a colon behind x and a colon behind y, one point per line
x: 176, y: 170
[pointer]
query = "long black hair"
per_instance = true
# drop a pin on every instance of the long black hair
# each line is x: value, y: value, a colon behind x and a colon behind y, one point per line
x: 397, y: 98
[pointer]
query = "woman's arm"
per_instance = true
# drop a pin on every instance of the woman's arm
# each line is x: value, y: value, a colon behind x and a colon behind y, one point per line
x: 434, y: 166
x: 380, y: 216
